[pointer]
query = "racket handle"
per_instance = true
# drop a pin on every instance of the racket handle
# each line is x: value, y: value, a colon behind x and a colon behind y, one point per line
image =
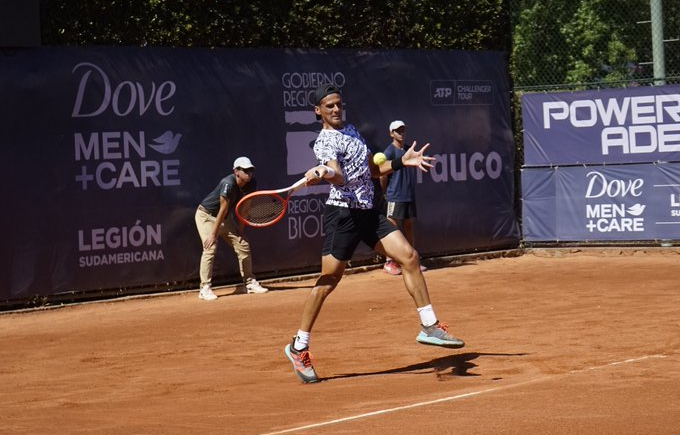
x: 330, y: 172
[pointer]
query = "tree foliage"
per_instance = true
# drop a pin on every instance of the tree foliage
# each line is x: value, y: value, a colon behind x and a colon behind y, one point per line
x: 428, y: 24
x: 587, y: 42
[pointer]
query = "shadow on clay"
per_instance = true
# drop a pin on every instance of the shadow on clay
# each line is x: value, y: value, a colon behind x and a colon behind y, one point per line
x: 444, y: 367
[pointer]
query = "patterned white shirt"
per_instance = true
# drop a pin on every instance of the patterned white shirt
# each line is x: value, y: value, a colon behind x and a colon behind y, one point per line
x: 349, y: 149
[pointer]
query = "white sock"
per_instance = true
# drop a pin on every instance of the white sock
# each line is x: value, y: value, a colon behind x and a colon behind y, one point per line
x: 427, y: 317
x: 301, y: 340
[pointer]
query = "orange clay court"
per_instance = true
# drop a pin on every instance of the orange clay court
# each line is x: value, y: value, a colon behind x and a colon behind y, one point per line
x: 558, y: 342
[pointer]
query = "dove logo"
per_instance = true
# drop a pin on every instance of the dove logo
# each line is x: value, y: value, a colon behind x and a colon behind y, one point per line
x: 636, y: 210
x: 599, y: 186
x: 166, y: 143
x: 606, y: 218
x: 122, y: 99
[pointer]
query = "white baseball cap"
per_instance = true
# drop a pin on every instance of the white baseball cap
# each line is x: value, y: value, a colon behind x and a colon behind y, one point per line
x: 396, y: 124
x: 243, y: 163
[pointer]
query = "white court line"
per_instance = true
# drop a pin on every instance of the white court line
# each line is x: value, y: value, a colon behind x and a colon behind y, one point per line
x: 383, y: 411
x: 451, y: 398
x: 616, y: 363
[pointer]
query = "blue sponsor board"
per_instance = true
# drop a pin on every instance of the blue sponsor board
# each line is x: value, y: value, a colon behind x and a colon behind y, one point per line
x: 106, y: 152
x: 632, y: 125
x: 602, y: 203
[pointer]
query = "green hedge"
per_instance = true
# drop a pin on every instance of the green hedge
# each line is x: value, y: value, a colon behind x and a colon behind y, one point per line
x: 424, y: 24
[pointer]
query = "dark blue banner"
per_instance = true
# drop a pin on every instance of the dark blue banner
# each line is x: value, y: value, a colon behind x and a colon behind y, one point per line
x: 106, y: 153
x: 632, y: 125
x: 597, y: 203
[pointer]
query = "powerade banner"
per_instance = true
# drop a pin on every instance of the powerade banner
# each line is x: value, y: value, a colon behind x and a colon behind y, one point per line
x: 625, y: 202
x: 631, y: 125
x: 106, y: 153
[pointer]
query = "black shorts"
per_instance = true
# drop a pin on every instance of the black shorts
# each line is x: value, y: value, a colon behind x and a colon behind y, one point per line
x: 402, y: 210
x: 346, y: 227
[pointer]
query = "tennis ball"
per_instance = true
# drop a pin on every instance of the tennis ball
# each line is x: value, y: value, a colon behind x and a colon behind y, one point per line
x: 379, y: 158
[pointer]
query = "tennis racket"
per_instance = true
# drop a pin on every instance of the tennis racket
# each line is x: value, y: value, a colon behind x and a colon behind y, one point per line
x: 266, y: 207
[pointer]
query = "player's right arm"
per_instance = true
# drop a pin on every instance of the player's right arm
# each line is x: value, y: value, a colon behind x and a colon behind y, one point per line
x: 331, y: 172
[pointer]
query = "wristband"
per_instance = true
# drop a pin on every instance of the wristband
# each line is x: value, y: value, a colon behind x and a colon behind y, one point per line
x: 397, y: 164
x: 330, y: 173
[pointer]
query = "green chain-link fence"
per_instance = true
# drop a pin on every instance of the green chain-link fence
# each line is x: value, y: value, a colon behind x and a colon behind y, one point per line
x: 586, y: 44
x: 568, y: 45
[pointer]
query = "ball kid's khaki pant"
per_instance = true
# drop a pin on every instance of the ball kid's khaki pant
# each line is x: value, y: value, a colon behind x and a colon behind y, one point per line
x: 230, y: 233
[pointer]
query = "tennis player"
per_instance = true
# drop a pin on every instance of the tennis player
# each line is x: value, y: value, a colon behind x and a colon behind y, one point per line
x: 349, y: 216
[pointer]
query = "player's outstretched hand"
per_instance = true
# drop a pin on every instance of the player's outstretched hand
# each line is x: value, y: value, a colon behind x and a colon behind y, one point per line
x: 417, y: 159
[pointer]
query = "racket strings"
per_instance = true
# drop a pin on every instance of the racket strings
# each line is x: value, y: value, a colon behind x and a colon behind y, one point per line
x: 261, y: 209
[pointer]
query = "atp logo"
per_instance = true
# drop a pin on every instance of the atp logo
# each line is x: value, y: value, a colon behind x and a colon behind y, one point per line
x: 441, y: 92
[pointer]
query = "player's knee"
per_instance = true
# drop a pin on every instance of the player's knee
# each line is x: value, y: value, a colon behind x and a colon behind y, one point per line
x: 321, y: 291
x: 411, y: 260
x: 326, y: 284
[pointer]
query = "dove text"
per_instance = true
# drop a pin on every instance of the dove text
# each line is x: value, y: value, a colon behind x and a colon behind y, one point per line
x: 96, y: 94
x: 599, y: 186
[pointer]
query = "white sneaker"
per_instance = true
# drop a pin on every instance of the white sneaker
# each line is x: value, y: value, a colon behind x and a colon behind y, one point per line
x: 254, y: 287
x: 207, y: 294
